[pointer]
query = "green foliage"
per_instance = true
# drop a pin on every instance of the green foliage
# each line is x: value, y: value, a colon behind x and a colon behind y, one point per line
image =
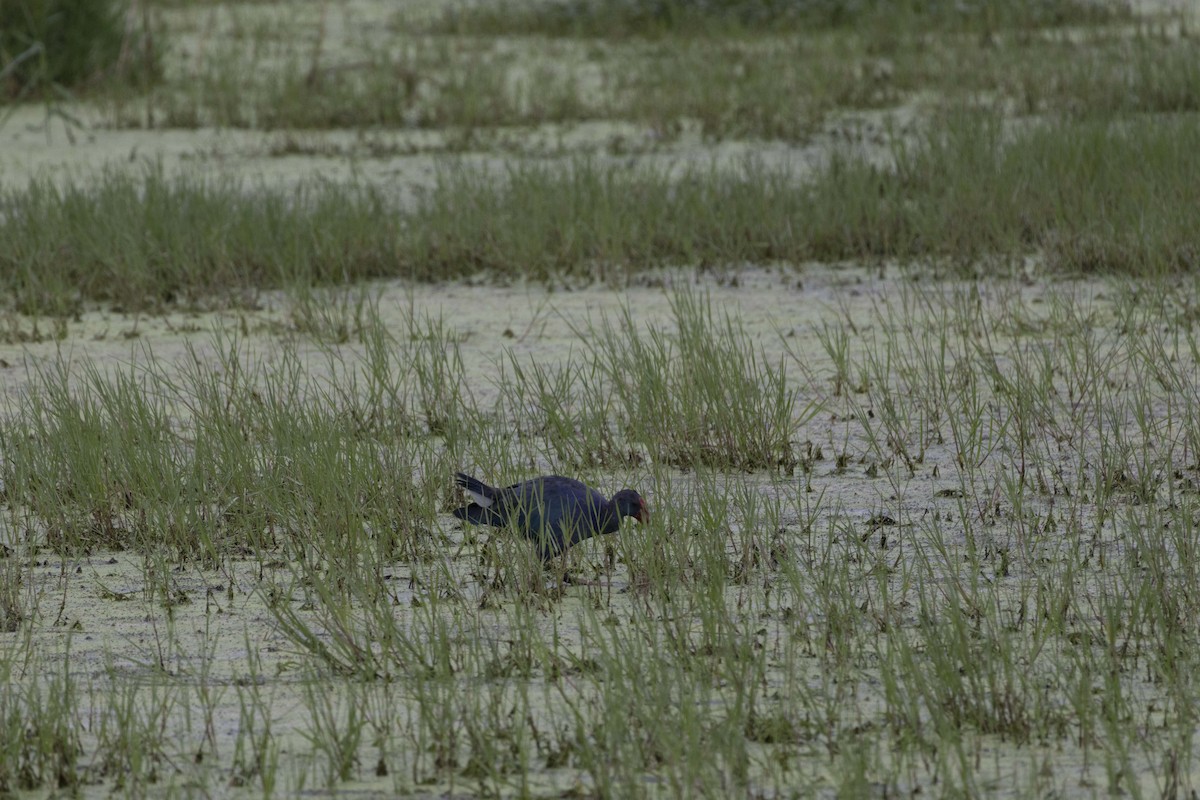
x: 195, y: 239
x: 1092, y: 196
x: 105, y: 467
x: 56, y: 45
x: 703, y: 395
x: 760, y: 633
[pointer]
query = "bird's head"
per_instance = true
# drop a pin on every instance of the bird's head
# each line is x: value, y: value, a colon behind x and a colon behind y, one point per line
x: 631, y: 504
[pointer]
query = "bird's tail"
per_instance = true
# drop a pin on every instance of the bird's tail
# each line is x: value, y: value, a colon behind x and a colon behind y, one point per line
x: 480, y: 492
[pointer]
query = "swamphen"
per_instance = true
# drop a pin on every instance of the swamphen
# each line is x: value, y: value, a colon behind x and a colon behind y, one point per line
x: 553, y: 512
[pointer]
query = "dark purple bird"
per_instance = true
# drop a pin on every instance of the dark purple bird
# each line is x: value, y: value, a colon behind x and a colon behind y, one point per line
x: 553, y: 512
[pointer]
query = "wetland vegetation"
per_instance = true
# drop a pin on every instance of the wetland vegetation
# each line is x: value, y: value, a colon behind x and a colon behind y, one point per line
x: 888, y: 309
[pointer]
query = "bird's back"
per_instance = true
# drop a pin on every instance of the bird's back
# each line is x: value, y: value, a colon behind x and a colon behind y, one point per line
x: 560, y: 509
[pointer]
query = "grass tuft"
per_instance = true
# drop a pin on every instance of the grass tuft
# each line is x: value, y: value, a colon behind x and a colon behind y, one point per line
x: 51, y: 46
x: 703, y: 395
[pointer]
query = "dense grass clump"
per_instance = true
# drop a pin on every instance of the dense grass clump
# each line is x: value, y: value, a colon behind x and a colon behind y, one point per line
x: 103, y: 463
x: 62, y: 44
x: 1090, y: 196
x: 148, y: 241
x: 1078, y: 192
x: 704, y: 395
x: 696, y: 392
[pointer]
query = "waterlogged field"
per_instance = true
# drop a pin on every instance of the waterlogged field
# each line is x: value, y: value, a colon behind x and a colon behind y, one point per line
x: 890, y: 315
x: 903, y: 536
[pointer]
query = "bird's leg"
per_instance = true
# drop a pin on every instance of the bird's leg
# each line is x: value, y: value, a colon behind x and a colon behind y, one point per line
x: 561, y: 571
x: 568, y: 578
x: 565, y: 578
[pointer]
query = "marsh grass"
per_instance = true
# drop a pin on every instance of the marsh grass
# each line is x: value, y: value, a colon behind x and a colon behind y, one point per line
x: 832, y: 630
x: 198, y: 239
x: 50, y: 49
x: 1106, y: 77
x: 966, y: 195
x: 620, y: 19
x: 780, y: 84
x: 701, y: 394
x: 41, y: 744
x: 967, y: 191
x: 695, y: 393
x: 214, y: 459
x: 334, y: 315
x: 778, y: 89
x: 1165, y: 79
x: 419, y: 84
x: 983, y: 577
x: 569, y: 408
